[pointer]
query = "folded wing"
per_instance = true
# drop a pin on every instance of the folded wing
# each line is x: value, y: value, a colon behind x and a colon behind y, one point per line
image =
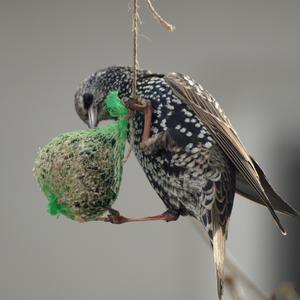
x: 251, y: 181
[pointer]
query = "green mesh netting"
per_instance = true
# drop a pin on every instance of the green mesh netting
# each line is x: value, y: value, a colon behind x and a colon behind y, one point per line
x: 80, y: 172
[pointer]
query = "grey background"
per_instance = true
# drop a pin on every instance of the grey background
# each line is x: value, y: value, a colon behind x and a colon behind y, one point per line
x: 246, y: 53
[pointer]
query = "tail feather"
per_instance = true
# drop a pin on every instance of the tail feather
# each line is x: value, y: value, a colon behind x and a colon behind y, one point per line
x: 243, y: 188
x: 219, y: 238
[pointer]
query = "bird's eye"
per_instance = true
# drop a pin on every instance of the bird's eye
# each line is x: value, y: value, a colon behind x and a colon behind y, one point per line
x: 87, y: 100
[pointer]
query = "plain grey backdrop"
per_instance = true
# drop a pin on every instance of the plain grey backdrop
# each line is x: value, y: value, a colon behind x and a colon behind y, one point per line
x: 246, y: 53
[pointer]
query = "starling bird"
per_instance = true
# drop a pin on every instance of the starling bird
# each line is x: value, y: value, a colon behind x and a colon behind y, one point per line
x: 188, y: 150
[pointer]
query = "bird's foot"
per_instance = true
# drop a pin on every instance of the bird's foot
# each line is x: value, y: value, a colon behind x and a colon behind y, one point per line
x: 159, y: 141
x: 115, y: 218
x: 152, y: 144
x: 144, y: 106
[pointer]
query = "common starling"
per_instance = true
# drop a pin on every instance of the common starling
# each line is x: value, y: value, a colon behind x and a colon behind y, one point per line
x: 192, y: 156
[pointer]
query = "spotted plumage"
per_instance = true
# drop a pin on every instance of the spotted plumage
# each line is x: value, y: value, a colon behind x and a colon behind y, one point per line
x: 196, y: 162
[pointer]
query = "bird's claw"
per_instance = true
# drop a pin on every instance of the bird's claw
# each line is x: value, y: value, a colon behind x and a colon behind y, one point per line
x: 153, y: 143
x: 169, y: 216
x: 147, y: 146
x: 139, y: 104
x: 115, y: 219
x: 145, y: 107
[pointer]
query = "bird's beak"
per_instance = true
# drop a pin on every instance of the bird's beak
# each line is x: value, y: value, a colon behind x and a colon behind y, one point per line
x: 93, y: 116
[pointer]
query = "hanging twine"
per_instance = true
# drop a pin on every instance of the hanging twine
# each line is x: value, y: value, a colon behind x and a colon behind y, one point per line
x: 135, y: 31
x: 135, y: 19
x: 169, y: 27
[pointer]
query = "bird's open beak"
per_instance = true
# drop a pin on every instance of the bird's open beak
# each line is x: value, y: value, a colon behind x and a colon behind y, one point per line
x: 93, y: 116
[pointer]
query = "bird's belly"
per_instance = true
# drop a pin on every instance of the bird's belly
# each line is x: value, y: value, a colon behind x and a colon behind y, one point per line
x: 187, y: 177
x: 182, y: 188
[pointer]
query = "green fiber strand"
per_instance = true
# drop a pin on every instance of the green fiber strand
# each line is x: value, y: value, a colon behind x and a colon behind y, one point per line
x: 117, y: 109
x: 54, y: 208
x: 114, y: 106
x: 123, y: 129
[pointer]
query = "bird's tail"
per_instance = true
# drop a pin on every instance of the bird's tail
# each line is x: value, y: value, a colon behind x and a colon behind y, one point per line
x: 219, y: 238
x: 243, y: 188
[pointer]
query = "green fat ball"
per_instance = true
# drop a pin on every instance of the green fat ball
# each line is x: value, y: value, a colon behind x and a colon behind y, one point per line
x: 80, y: 172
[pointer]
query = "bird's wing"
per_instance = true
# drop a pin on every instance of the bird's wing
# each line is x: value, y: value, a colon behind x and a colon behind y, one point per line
x: 243, y: 188
x: 210, y: 113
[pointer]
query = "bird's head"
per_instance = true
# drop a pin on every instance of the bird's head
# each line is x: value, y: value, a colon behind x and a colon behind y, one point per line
x: 91, y: 94
x: 89, y: 100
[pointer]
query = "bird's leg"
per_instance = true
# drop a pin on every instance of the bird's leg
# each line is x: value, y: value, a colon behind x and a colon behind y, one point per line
x: 145, y: 107
x: 158, y: 141
x: 115, y: 218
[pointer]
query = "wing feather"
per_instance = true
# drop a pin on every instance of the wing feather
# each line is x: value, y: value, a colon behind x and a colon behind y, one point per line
x: 209, y: 112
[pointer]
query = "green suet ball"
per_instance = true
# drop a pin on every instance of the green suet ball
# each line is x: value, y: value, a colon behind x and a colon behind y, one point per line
x: 80, y: 172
